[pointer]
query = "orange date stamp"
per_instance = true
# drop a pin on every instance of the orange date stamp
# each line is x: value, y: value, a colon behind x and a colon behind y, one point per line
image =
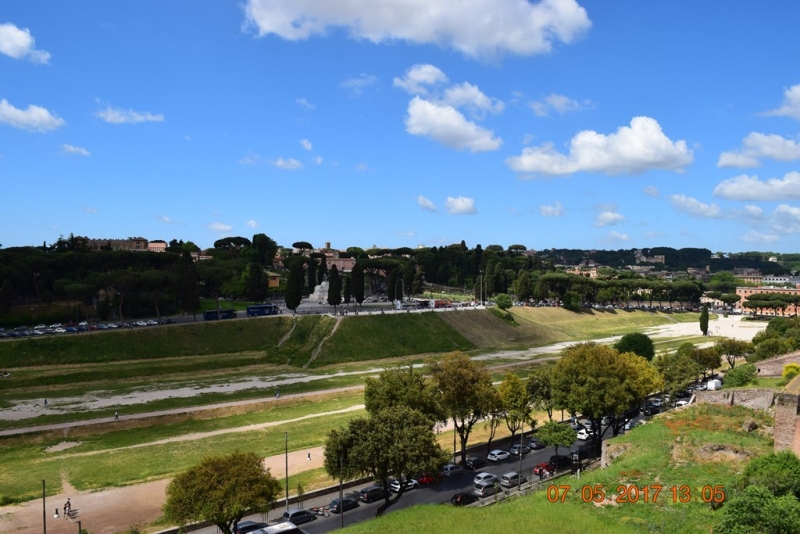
x: 652, y: 493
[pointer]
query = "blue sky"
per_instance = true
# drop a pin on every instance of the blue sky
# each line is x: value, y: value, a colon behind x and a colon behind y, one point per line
x: 559, y: 123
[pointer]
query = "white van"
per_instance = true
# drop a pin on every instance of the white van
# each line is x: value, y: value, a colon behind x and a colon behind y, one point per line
x: 714, y: 385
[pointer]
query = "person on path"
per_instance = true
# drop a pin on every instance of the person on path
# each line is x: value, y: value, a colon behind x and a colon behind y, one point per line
x: 116, y: 416
x: 67, y: 508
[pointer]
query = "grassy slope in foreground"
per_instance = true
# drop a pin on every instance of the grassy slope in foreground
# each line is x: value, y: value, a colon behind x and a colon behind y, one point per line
x: 695, y: 447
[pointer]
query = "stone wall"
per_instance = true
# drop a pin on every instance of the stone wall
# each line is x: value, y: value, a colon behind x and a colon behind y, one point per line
x: 755, y: 398
x: 787, y: 421
x: 774, y: 366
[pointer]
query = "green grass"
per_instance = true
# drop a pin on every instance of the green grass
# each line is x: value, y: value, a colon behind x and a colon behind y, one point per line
x: 696, y: 447
x: 375, y: 337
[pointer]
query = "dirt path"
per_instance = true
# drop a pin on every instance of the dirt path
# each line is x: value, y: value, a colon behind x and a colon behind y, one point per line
x: 318, y: 348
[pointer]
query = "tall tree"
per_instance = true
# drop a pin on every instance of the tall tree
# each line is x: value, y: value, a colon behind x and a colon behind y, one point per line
x: 403, y: 386
x: 323, y: 270
x: 637, y: 343
x: 677, y: 370
x: 221, y: 490
x: 540, y: 389
x: 465, y: 392
x: 266, y: 247
x: 294, y: 284
x: 704, y: 320
x: 524, y: 287
x: 554, y: 434
x: 515, y: 402
x: 188, y: 292
x: 358, y: 282
x: 257, y: 282
x: 597, y: 381
x: 396, y: 442
x: 311, y: 275
x: 731, y: 349
x: 334, y: 287
x: 348, y: 290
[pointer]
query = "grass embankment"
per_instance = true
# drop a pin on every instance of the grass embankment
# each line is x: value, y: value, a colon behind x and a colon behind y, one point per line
x: 697, y: 447
x: 128, y: 452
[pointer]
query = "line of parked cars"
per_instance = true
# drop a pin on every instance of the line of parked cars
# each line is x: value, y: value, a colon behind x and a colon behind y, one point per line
x: 75, y: 328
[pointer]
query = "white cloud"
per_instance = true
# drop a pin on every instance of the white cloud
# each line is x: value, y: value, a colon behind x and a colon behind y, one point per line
x: 786, y: 219
x: 758, y: 238
x: 19, y: 43
x: 89, y: 209
x: 460, y: 206
x: 77, y: 150
x: 616, y: 237
x: 407, y: 233
x: 746, y: 187
x: 362, y: 167
x: 632, y: 150
x: 758, y: 145
x: 607, y: 218
x: 470, y: 96
x: 252, y: 223
x: 219, y: 227
x: 251, y: 159
x: 288, y: 164
x: 448, y: 126
x: 754, y: 211
x: 418, y: 76
x: 791, y: 104
x: 478, y: 28
x: 164, y: 219
x: 33, y: 119
x: 694, y: 207
x: 357, y: 85
x: 653, y: 235
x: 556, y: 210
x: 561, y: 104
x: 127, y: 116
x: 426, y: 204
x: 303, y: 103
x: 317, y: 160
x: 651, y: 191
x: 305, y: 143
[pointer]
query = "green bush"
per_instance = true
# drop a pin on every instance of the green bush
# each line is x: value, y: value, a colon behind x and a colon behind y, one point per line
x: 636, y: 343
x: 740, y: 376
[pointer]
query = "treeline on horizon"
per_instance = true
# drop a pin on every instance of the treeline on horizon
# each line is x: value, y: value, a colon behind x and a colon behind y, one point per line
x: 118, y: 284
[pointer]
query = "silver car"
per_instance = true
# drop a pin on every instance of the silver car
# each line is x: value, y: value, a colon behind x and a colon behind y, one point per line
x: 511, y: 479
x: 484, y: 489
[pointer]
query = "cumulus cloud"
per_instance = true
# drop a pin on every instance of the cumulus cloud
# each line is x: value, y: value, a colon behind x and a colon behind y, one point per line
x: 616, y: 237
x: 19, y: 43
x: 631, y: 150
x: 418, y: 76
x: 460, y: 206
x: 746, y: 187
x: 164, y: 219
x: 33, y: 118
x: 127, y: 116
x: 252, y: 223
x: 305, y: 143
x: 317, y: 160
x: 357, y: 85
x: 288, y: 164
x: 759, y: 145
x: 607, y: 218
x: 251, y: 159
x: 447, y: 125
x: 426, y: 204
x: 791, y: 104
x: 556, y: 210
x: 479, y: 28
x: 219, y: 227
x: 469, y: 96
x: 76, y: 150
x: 693, y: 206
x: 560, y: 104
x: 758, y: 238
x: 89, y: 209
x: 650, y: 191
x: 303, y: 103
x: 786, y: 219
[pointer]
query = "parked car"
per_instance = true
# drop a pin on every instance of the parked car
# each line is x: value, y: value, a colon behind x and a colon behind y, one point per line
x: 39, y: 327
x: 484, y: 489
x: 338, y: 506
x: 656, y: 402
x: 651, y: 410
x: 511, y: 479
x: 248, y: 526
x: 518, y: 449
x: 140, y: 323
x: 54, y: 326
x: 584, y: 434
x: 475, y: 463
x: 284, y: 527
x: 408, y: 484
x: 681, y: 403
x: 451, y: 470
x: 298, y: 516
x: 60, y: 330
x: 370, y: 494
x: 544, y: 468
x: 560, y: 461
x: 535, y: 444
x: 151, y: 322
x: 463, y: 499
x: 72, y: 329
x: 484, y: 477
x: 498, y: 456
x: 426, y: 479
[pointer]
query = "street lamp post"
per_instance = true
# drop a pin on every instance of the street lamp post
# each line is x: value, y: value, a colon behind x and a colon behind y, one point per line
x: 44, y: 509
x: 454, y: 440
x: 286, y: 458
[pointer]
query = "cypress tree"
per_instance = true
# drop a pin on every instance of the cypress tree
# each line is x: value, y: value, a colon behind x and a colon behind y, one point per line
x: 704, y: 320
x: 334, y: 287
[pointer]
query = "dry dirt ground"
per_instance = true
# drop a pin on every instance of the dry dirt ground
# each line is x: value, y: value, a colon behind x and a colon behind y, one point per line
x: 115, y: 510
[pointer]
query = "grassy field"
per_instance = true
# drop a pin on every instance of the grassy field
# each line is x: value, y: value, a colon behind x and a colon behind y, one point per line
x: 696, y: 447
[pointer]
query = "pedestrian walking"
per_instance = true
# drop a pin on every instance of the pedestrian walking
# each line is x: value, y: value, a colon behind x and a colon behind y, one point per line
x: 67, y: 508
x: 45, y: 402
x: 116, y: 416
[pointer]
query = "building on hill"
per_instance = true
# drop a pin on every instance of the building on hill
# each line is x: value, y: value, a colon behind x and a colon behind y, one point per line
x: 656, y: 258
x: 157, y: 246
x: 749, y: 276
x: 745, y: 292
x: 136, y: 244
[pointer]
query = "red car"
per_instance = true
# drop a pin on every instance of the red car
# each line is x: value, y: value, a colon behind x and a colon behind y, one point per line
x: 544, y: 468
x: 426, y: 479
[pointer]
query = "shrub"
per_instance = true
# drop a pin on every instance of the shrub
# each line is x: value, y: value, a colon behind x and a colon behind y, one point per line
x: 740, y: 376
x: 636, y: 343
x: 790, y: 370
